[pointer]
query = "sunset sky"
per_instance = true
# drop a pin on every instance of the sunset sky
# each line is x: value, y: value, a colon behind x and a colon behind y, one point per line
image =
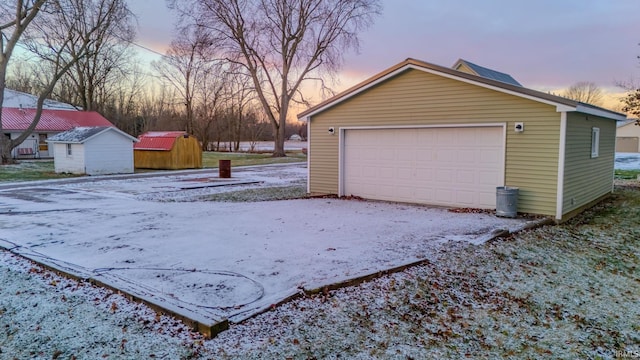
x: 546, y: 45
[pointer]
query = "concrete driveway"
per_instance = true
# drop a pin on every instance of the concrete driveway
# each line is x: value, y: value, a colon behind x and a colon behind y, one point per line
x: 158, y: 239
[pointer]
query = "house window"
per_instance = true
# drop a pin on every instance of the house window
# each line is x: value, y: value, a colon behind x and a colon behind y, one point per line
x: 595, y: 142
x: 68, y: 149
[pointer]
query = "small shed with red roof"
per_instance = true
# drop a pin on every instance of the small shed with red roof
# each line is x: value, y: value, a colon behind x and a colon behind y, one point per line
x: 167, y: 150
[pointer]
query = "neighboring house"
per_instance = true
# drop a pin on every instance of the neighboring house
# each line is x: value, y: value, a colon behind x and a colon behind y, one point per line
x: 170, y: 150
x: 18, y: 111
x: 93, y: 151
x: 21, y: 100
x: 628, y: 137
x: 423, y: 133
x: 471, y: 68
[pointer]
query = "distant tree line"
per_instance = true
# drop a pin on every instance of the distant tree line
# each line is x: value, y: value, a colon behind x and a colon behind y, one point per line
x: 232, y: 73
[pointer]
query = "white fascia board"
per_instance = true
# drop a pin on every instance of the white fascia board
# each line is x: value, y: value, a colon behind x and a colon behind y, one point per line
x: 600, y: 112
x: 355, y: 92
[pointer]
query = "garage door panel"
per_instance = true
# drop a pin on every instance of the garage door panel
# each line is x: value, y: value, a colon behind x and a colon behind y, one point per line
x: 444, y: 137
x: 441, y: 166
x: 446, y: 155
x: 466, y: 177
x: 465, y: 197
x: 491, y: 156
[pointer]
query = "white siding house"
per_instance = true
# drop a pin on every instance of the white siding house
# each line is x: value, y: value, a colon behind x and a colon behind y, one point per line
x: 93, y: 151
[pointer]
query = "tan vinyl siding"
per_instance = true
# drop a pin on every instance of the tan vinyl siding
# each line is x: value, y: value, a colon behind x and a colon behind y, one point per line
x: 585, y: 178
x: 466, y: 69
x: 418, y: 98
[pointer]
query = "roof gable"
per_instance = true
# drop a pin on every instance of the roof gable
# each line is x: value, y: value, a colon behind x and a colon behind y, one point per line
x: 562, y: 104
x: 15, y: 119
x: 158, y: 140
x: 21, y: 100
x: 81, y: 135
x: 462, y: 65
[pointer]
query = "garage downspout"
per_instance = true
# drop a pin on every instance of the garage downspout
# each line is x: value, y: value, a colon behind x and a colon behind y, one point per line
x: 561, y: 164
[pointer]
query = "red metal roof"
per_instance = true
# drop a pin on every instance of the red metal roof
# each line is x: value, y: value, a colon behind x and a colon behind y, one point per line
x: 51, y: 120
x: 158, y: 140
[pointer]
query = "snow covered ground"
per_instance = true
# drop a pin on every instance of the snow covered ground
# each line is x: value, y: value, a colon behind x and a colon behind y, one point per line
x: 154, y: 238
x: 289, y: 145
x: 627, y: 161
x: 565, y: 291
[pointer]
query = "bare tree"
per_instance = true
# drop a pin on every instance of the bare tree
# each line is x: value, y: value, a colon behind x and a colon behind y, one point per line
x: 185, y: 65
x: 282, y: 43
x: 13, y: 24
x: 586, y: 92
x: 108, y: 55
x: 240, y: 94
x: 43, y: 26
x: 210, y: 98
x: 21, y: 76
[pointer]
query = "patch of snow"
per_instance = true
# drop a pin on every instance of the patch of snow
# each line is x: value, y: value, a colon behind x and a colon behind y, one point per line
x: 127, y: 234
x: 566, y: 291
x: 627, y: 161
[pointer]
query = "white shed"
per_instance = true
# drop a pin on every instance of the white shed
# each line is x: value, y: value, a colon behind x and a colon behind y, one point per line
x: 93, y: 151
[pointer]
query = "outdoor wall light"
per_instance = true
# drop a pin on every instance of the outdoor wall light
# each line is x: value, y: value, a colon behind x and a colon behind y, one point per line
x: 332, y: 130
x: 519, y: 127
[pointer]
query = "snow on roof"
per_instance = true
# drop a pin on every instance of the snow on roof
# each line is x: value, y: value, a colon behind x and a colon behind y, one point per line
x: 51, y: 120
x: 17, y: 99
x: 158, y: 140
x: 81, y: 134
x: 77, y: 135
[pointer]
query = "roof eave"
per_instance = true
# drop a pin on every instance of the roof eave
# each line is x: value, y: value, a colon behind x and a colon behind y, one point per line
x: 596, y: 111
x: 561, y: 104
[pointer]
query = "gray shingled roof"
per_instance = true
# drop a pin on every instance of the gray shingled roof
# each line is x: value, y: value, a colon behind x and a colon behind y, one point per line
x: 491, y: 74
x: 77, y: 135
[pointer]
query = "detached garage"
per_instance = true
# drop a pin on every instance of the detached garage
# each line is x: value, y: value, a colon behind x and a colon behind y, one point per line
x: 423, y: 133
x: 93, y: 151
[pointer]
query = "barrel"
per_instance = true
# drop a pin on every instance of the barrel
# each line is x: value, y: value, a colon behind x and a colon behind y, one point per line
x: 224, y: 168
x: 507, y: 201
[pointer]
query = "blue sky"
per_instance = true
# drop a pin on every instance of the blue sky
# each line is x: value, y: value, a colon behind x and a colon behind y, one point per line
x: 544, y: 44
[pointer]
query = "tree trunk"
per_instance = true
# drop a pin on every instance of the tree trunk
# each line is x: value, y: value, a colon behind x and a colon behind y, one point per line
x: 279, y: 132
x: 5, y: 150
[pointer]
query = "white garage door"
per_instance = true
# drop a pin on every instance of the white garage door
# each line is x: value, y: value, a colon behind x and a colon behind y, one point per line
x: 458, y: 167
